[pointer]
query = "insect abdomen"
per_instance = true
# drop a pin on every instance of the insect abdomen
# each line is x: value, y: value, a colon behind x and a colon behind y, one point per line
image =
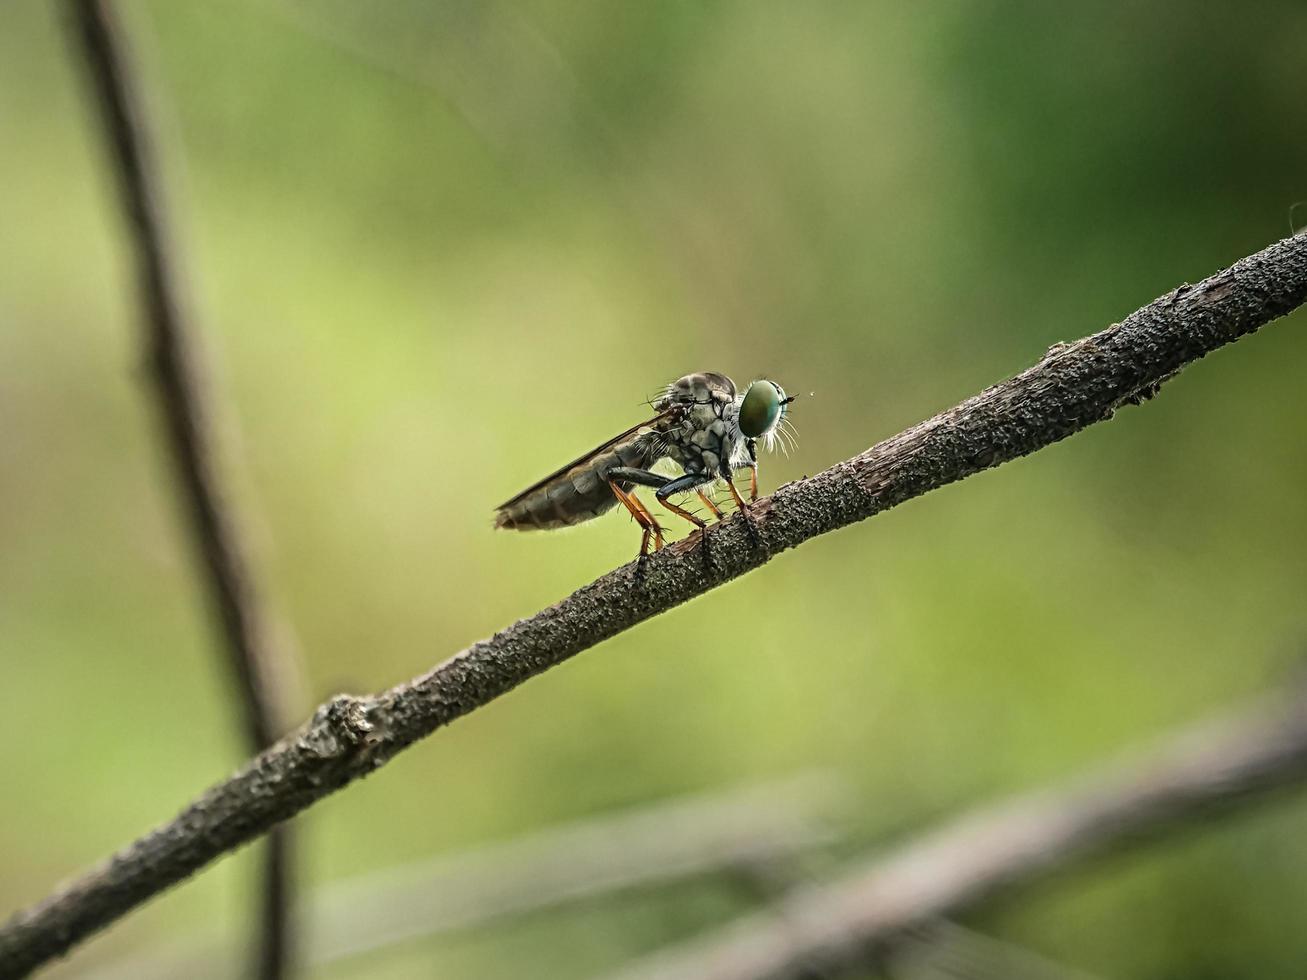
x: 571, y: 498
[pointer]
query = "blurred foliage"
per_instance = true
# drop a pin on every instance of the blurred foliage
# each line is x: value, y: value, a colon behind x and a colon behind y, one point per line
x: 441, y: 247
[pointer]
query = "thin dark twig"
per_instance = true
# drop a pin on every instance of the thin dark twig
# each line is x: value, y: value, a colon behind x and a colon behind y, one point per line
x: 1072, y: 387
x: 258, y: 665
x: 1214, y: 767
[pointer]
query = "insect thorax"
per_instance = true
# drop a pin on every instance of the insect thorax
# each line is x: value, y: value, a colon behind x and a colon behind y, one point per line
x: 703, y: 437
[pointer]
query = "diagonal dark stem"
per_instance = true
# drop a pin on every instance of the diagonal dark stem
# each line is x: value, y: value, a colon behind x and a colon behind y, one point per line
x: 186, y: 409
x: 1072, y: 387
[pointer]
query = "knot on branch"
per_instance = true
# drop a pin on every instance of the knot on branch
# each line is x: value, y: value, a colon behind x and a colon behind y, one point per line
x: 339, y: 727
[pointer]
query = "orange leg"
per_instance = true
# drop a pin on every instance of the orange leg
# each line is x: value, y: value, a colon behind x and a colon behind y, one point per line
x: 692, y: 518
x: 739, y: 501
x: 708, y: 502
x: 642, y: 517
x: 654, y: 526
x: 753, y: 483
x: 750, y: 522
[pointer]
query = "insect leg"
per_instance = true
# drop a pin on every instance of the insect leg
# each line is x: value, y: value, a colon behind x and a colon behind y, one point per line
x: 647, y: 524
x: 751, y: 447
x: 644, y: 478
x: 654, y: 526
x: 710, y: 504
x: 739, y: 501
x: 753, y: 479
x: 681, y: 485
x: 750, y: 521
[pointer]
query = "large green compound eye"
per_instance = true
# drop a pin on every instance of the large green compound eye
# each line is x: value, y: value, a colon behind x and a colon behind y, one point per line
x: 761, y: 409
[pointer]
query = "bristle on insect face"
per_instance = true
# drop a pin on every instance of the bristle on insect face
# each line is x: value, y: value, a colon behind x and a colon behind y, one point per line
x: 788, y: 435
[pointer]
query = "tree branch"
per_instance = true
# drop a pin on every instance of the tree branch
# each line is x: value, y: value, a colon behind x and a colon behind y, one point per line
x: 258, y: 665
x: 739, y: 831
x: 1206, y: 769
x: 1073, y: 387
x: 945, y: 949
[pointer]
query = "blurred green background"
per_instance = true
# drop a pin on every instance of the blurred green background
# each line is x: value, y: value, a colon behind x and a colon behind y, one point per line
x: 439, y: 248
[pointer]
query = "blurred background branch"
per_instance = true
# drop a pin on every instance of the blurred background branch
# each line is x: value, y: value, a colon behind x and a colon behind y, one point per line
x: 1071, y: 388
x: 745, y: 832
x: 767, y: 837
x: 944, y: 950
x: 1212, y: 768
x: 257, y: 651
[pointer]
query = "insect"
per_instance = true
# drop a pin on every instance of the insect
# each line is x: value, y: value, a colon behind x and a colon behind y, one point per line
x: 702, y: 424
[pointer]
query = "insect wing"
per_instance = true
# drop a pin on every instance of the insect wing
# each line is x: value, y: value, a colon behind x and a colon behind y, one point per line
x: 632, y: 433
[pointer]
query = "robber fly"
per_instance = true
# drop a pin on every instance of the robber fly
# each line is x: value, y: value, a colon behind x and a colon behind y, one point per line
x: 701, y: 424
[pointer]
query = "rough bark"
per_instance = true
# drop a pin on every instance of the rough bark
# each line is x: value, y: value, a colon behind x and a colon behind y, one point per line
x: 1072, y: 387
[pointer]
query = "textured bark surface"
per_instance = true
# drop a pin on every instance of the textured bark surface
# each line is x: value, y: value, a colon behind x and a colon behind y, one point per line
x: 1072, y: 387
